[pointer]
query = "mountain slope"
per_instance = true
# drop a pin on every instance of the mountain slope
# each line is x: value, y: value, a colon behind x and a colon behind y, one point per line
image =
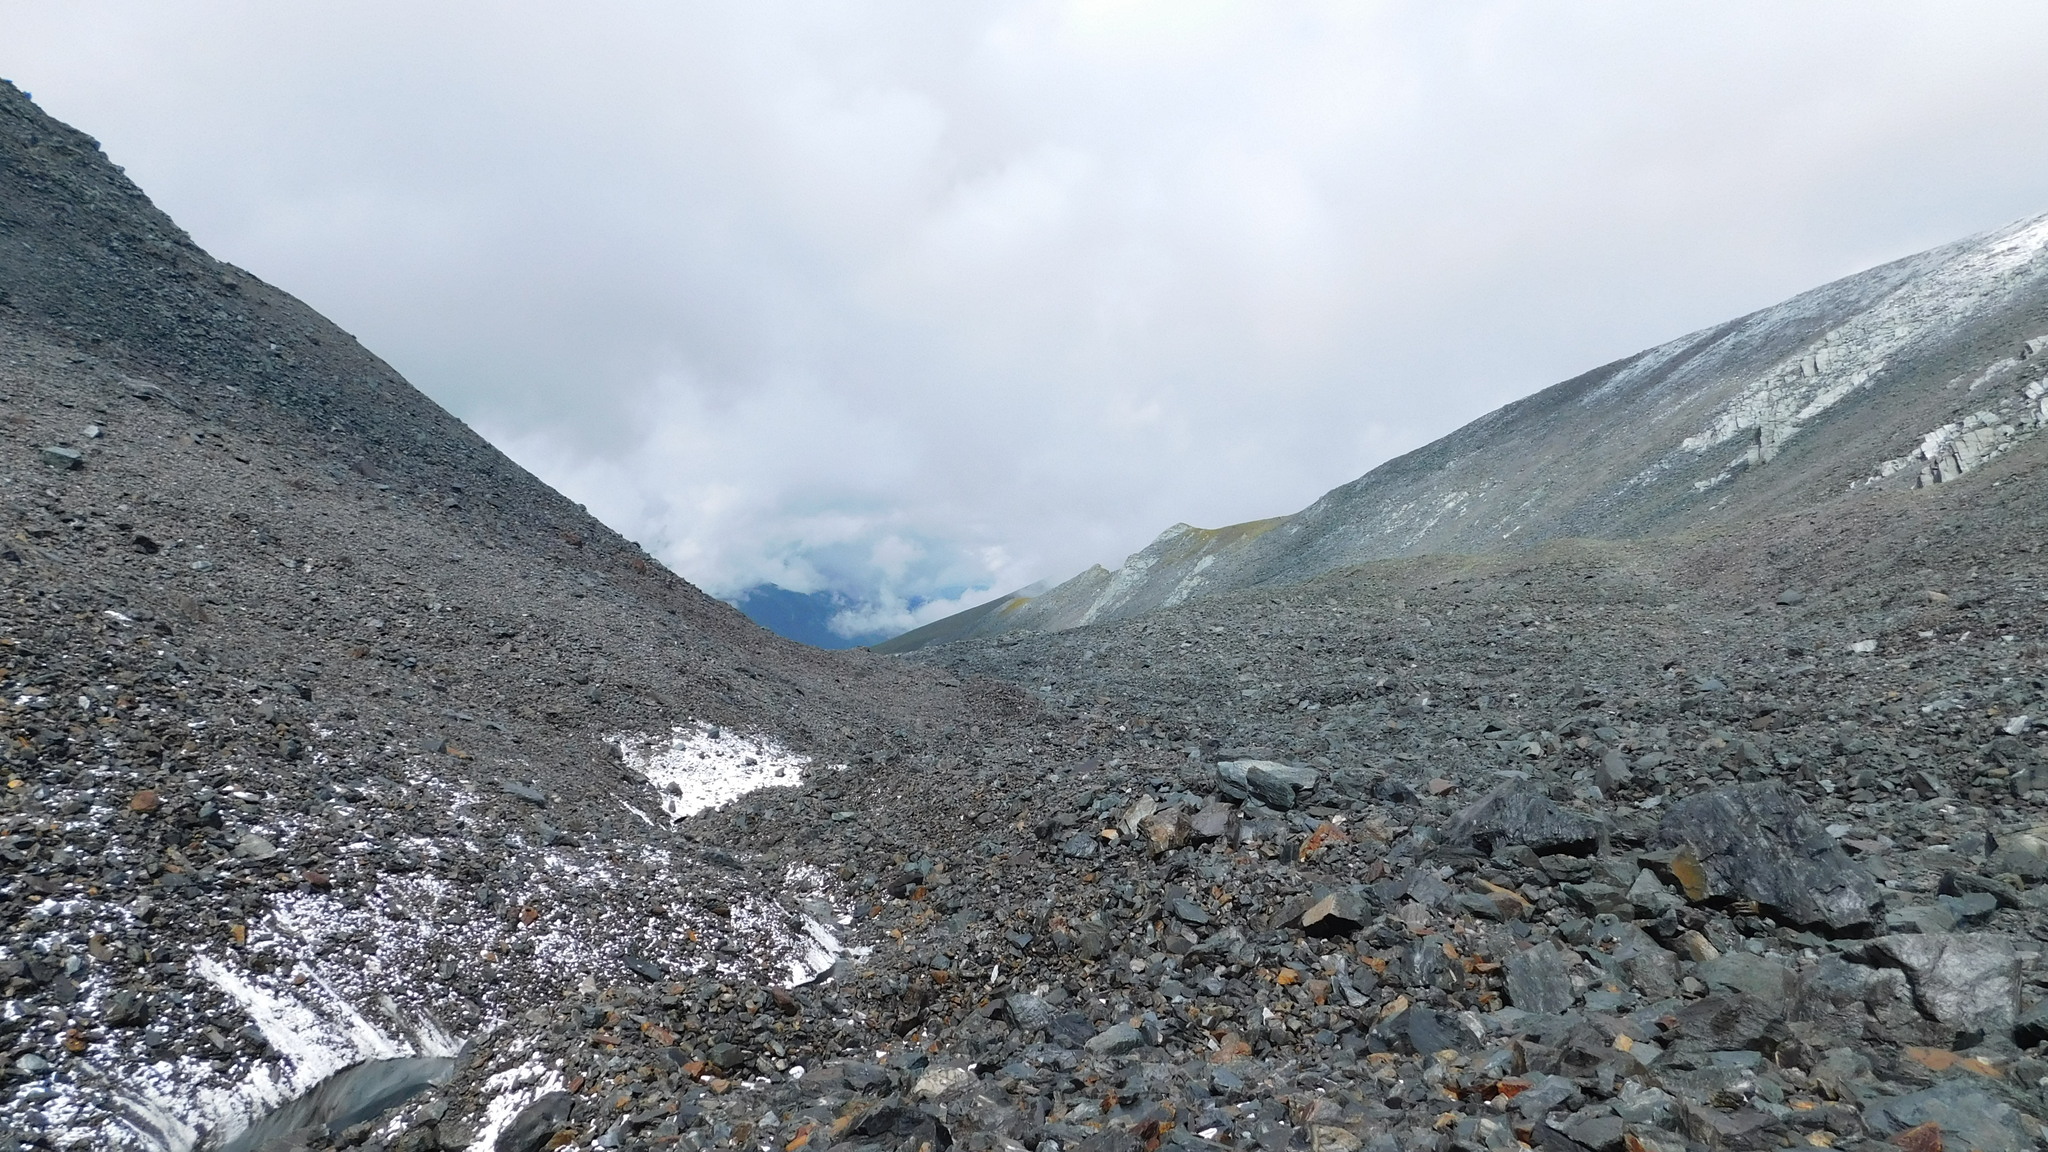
x: 1911, y: 373
x: 332, y: 735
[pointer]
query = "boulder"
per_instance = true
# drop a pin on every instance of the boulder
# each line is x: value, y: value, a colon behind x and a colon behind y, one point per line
x: 1518, y: 812
x: 1966, y: 980
x: 1758, y: 842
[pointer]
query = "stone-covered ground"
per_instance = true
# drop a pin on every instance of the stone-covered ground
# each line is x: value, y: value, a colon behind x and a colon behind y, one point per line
x: 1726, y: 842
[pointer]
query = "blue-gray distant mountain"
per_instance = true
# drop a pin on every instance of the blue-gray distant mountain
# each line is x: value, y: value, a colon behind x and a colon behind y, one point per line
x: 1909, y: 374
x: 805, y: 617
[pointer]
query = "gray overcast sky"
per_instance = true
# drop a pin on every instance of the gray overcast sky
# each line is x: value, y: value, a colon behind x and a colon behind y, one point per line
x: 900, y: 298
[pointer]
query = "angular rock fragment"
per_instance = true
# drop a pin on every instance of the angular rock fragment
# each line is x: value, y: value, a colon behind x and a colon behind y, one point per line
x: 1539, y: 979
x: 1333, y: 913
x: 1212, y: 822
x: 1758, y: 842
x: 1518, y: 812
x: 1966, y: 980
x: 1726, y: 1021
x: 1968, y: 1117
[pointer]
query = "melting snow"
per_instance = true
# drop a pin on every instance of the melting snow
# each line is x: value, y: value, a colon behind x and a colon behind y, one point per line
x: 314, y: 1032
x: 339, y: 963
x: 511, y: 1091
x: 700, y: 766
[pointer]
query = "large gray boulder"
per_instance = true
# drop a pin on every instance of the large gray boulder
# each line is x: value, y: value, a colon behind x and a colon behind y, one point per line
x: 1966, y: 980
x: 1758, y: 842
x: 1517, y: 812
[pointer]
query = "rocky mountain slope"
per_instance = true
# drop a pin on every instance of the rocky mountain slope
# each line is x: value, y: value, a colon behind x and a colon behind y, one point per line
x: 362, y: 793
x: 292, y: 656
x: 1907, y: 375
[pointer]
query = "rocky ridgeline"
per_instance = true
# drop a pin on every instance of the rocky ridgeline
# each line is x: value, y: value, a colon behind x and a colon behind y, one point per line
x: 1912, y: 373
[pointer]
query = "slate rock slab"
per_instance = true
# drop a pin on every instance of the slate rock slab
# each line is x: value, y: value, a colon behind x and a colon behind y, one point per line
x: 1116, y: 1040
x: 1725, y: 1022
x: 1539, y: 980
x: 1967, y: 980
x: 537, y: 1124
x: 1758, y: 842
x: 1969, y: 1117
x: 1518, y: 812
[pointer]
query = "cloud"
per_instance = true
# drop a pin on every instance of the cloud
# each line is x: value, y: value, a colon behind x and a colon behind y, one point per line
x: 920, y: 302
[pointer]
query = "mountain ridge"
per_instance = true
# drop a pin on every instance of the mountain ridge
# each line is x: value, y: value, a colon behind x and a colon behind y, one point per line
x: 1872, y: 379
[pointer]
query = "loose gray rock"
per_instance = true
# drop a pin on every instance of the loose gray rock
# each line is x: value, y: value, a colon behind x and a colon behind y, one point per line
x: 1966, y: 980
x: 67, y: 459
x: 1277, y: 786
x: 536, y: 1124
x: 1518, y: 812
x: 1969, y: 1117
x: 1758, y: 842
x: 1116, y: 1040
x: 1539, y: 979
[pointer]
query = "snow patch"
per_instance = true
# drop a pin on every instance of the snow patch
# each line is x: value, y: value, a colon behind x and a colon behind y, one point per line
x: 700, y: 766
x: 511, y: 1091
x: 313, y: 1033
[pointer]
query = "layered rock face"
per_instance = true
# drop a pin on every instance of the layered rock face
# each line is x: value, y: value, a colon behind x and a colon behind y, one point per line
x: 1908, y: 375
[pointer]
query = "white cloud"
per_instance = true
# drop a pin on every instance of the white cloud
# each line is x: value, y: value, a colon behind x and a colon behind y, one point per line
x: 905, y: 300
